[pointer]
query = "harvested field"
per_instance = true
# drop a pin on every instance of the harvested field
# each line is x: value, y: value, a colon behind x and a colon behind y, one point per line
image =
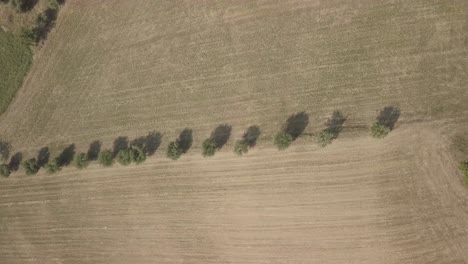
x: 125, y: 68
x: 361, y: 201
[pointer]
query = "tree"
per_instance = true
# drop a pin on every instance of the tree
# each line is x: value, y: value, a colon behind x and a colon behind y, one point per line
x: 209, y: 147
x: 334, y: 127
x: 52, y: 166
x: 379, y: 131
x: 385, y: 122
x: 30, y: 166
x: 138, y: 154
x: 124, y: 157
x: 81, y: 161
x: 174, y: 151
x: 325, y: 137
x: 241, y: 147
x: 105, y: 158
x: 5, y: 170
x: 282, y: 140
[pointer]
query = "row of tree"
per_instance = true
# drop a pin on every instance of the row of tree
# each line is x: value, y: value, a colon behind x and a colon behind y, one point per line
x: 138, y: 150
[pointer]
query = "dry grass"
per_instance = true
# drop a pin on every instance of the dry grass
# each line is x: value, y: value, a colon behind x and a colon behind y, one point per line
x: 124, y: 68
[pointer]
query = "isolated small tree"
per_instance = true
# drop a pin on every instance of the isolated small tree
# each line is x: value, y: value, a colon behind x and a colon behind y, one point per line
x: 379, y: 130
x: 5, y: 170
x: 464, y: 169
x: 124, y: 157
x: 209, y: 147
x: 52, y: 166
x: 105, y: 158
x: 81, y: 161
x: 30, y: 166
x: 138, y: 154
x: 241, y: 147
x: 325, y: 137
x: 282, y: 140
x: 173, y: 151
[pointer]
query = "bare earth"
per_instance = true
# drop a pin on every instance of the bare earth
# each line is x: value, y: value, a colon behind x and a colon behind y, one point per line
x: 124, y: 68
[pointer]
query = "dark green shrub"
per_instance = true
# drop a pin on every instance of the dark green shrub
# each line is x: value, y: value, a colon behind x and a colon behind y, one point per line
x: 174, y: 151
x: 138, y: 154
x: 5, y: 170
x: 52, y: 166
x: 464, y: 169
x: 105, y: 158
x: 282, y: 140
x: 81, y: 161
x: 241, y: 147
x: 30, y: 166
x: 379, y: 130
x: 125, y: 157
x: 209, y: 147
x: 325, y: 137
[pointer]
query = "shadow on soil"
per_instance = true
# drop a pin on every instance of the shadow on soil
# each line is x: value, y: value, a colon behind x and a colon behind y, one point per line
x: 15, y: 161
x: 94, y: 150
x: 43, y: 156
x: 335, y: 123
x: 221, y: 135
x: 120, y: 143
x: 389, y: 116
x: 185, y: 140
x: 251, y: 135
x: 296, y: 124
x: 150, y: 142
x: 66, y: 157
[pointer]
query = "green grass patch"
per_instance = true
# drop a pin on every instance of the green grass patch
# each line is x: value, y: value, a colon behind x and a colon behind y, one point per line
x: 15, y: 58
x: 464, y: 169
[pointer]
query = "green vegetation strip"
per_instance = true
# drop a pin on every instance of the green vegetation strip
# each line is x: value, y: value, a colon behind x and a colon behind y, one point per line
x: 15, y: 58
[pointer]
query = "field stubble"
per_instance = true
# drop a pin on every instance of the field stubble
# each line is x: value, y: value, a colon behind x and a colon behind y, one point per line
x: 126, y: 68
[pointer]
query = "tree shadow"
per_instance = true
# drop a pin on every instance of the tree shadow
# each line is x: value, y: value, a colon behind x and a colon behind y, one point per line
x: 153, y: 141
x: 150, y: 142
x: 94, y: 150
x: 66, y: 157
x: 43, y: 156
x: 221, y: 135
x: 15, y: 161
x: 120, y: 143
x: 5, y: 148
x: 335, y: 123
x: 296, y: 124
x: 27, y: 5
x: 185, y: 140
x: 251, y: 135
x: 139, y: 141
x: 389, y: 116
